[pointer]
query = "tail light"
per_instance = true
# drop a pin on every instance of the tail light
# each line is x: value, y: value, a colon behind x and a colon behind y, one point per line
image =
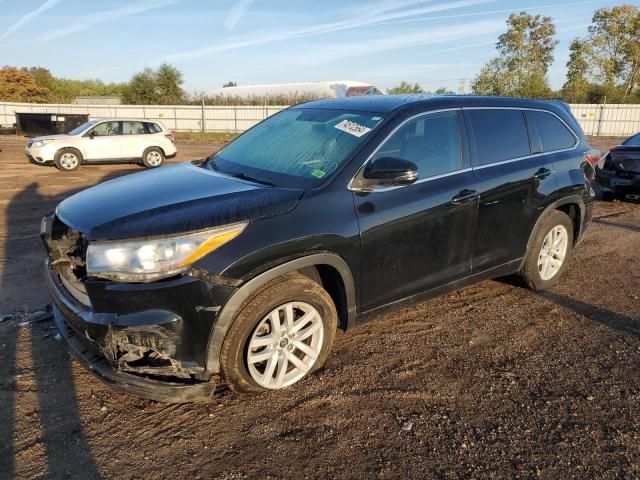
x: 171, y: 137
x: 592, y: 156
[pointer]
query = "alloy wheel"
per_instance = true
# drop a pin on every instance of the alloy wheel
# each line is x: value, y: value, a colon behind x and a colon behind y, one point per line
x: 69, y: 161
x: 154, y: 158
x: 553, y: 252
x: 285, y: 345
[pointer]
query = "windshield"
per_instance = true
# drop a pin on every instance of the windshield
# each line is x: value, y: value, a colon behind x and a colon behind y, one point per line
x: 297, y: 147
x: 633, y: 141
x: 82, y: 127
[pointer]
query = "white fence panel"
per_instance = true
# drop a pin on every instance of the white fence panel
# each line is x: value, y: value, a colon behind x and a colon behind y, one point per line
x: 614, y: 120
x: 608, y: 120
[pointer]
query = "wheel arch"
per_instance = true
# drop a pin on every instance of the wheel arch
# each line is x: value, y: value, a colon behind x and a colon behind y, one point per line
x: 70, y: 147
x: 146, y: 149
x: 573, y: 206
x: 331, y: 269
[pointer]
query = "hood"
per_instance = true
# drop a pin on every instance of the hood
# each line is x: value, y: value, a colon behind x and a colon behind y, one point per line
x: 170, y: 200
x: 50, y: 137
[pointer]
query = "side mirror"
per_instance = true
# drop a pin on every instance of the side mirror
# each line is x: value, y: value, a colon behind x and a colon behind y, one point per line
x: 391, y: 171
x: 92, y: 135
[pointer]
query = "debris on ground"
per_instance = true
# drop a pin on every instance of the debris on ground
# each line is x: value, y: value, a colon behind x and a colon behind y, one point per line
x: 39, y: 316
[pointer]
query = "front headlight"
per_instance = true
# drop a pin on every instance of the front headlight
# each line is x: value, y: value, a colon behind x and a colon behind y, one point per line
x: 42, y: 143
x: 152, y: 259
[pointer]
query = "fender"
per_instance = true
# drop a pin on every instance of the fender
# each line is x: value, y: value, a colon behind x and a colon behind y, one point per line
x: 226, y: 315
x: 553, y: 206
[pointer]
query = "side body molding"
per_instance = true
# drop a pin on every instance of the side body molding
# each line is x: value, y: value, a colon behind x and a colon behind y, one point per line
x: 225, y: 318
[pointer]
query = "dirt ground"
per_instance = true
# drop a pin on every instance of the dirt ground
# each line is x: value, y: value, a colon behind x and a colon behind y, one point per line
x: 490, y: 381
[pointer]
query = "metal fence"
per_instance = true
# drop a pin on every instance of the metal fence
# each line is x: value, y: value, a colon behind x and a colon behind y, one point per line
x: 613, y: 120
x: 184, y: 118
x: 608, y: 120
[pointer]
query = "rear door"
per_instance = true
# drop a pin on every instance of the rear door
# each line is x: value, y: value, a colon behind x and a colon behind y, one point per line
x: 419, y: 236
x: 135, y: 139
x: 515, y: 182
x: 558, y: 143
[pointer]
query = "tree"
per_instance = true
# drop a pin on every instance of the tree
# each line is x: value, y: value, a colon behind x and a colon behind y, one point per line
x: 444, y: 91
x: 525, y: 53
x: 607, y: 61
x: 169, y: 82
x: 17, y: 85
x: 405, y: 87
x: 230, y: 84
x: 155, y: 87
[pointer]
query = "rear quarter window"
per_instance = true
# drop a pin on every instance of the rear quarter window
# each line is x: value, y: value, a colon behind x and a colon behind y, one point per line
x: 497, y: 135
x: 153, y: 128
x: 554, y: 135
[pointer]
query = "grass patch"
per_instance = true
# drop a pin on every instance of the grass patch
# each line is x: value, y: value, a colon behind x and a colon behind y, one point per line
x: 205, y: 136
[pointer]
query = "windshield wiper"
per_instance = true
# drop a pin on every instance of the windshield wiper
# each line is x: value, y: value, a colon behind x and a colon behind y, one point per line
x: 243, y: 176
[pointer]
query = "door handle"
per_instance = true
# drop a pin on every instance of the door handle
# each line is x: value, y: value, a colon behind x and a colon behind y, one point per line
x: 464, y: 196
x: 542, y: 173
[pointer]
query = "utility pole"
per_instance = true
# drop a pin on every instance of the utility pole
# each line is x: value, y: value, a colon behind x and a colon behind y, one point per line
x: 461, y: 85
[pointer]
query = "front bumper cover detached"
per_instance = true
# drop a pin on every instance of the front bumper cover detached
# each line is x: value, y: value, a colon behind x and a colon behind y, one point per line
x: 75, y: 323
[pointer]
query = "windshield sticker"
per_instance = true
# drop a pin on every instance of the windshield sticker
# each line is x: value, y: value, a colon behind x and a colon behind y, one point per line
x: 318, y: 173
x: 353, y: 128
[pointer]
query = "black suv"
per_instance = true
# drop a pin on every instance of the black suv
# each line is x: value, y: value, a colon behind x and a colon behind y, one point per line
x: 243, y: 265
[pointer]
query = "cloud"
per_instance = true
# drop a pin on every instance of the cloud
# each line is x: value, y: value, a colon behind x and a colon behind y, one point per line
x: 489, y: 12
x: 357, y: 21
x: 95, y: 18
x: 237, y: 12
x: 443, y: 35
x: 29, y: 16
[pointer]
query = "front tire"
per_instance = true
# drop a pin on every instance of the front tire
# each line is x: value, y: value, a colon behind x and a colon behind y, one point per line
x: 549, y: 251
x: 279, y: 336
x: 67, y: 159
x: 153, y: 157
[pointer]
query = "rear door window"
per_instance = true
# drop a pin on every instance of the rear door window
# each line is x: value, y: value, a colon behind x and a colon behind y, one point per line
x: 497, y: 135
x: 133, y: 128
x: 431, y: 141
x: 554, y: 135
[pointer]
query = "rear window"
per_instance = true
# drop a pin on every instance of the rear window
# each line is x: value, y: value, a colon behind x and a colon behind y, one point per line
x: 498, y: 135
x: 554, y: 135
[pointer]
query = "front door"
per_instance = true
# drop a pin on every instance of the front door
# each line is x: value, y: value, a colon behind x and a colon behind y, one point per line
x: 103, y: 142
x: 420, y: 236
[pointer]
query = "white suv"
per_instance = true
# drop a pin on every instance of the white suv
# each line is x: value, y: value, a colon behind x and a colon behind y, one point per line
x: 105, y: 141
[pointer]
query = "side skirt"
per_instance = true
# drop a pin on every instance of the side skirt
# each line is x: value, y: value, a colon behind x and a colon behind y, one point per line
x: 499, y: 271
x: 112, y: 160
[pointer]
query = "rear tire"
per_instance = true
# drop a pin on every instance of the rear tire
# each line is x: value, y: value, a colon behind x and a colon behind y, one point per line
x: 67, y: 159
x: 260, y: 353
x: 607, y: 196
x: 153, y: 157
x: 549, y: 252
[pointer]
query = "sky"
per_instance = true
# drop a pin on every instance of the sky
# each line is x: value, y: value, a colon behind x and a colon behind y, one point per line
x: 433, y: 43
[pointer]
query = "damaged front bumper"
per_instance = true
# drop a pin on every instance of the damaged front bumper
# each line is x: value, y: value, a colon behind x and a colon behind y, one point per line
x: 153, y: 345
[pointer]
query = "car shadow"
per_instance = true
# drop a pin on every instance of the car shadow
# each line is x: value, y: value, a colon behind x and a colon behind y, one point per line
x: 57, y: 407
x: 631, y: 228
x: 616, y: 321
